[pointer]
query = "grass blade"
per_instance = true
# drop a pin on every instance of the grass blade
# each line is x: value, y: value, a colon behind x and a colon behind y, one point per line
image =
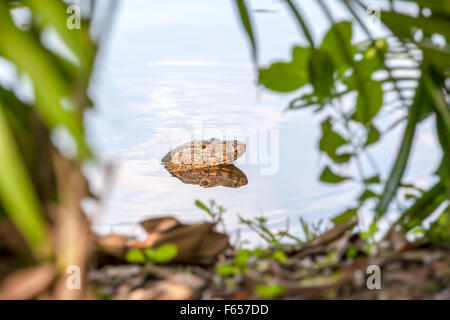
x: 247, y: 24
x: 17, y: 193
x: 398, y: 169
x: 301, y: 22
x: 50, y: 86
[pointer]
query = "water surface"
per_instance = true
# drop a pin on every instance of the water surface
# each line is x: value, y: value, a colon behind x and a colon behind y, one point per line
x: 173, y: 71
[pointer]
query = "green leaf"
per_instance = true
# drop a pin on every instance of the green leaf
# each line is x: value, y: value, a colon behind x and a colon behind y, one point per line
x: 321, y: 71
x: 366, y: 110
x: 17, y: 193
x: 283, y: 77
x: 440, y: 229
x: 442, y: 110
x: 438, y: 57
x: 343, y: 157
x: 203, y: 207
x: 227, y: 270
x: 347, y: 215
x: 401, y: 160
x: 373, y: 229
x: 330, y: 140
x: 373, y: 135
x: 338, y: 43
x: 424, y: 206
x: 135, y: 256
x: 301, y: 57
x: 352, y: 253
x: 403, y: 26
x: 247, y: 24
x: 280, y: 256
x: 53, y: 13
x: 372, y: 180
x: 441, y: 7
x: 163, y: 254
x: 329, y: 177
x: 242, y: 257
x: 367, y: 194
x: 371, y: 60
x: 272, y: 291
x: 50, y: 86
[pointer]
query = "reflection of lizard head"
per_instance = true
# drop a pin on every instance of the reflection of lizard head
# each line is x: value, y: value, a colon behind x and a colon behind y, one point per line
x: 208, y: 163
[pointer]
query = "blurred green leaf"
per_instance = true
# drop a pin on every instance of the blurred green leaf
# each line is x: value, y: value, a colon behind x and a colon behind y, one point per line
x: 242, y: 257
x: 404, y: 26
x: 347, y: 215
x: 53, y: 13
x: 352, y: 253
x: 283, y: 77
x: 227, y: 270
x: 371, y: 60
x: 438, y: 7
x: 202, y: 206
x: 366, y: 110
x: 440, y: 229
x: 367, y: 194
x: 424, y: 206
x: 338, y: 44
x: 17, y: 193
x: 271, y: 291
x: 329, y: 176
x: 438, y: 57
x: 373, y: 135
x: 442, y: 110
x: 135, y: 256
x: 370, y: 233
x: 330, y: 140
x: 163, y: 254
x: 280, y: 256
x: 373, y: 179
x: 321, y: 73
x: 50, y: 88
x: 342, y: 157
x: 301, y: 57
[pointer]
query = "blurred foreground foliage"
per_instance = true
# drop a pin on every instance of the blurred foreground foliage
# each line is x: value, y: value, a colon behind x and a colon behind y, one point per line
x: 336, y: 70
x: 46, y: 94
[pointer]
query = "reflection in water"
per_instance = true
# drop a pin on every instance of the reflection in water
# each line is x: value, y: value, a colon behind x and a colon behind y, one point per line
x: 207, y: 163
x: 227, y: 175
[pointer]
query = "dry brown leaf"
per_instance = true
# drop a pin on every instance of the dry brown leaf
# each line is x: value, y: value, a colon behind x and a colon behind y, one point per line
x: 197, y: 243
x: 139, y: 294
x: 161, y: 224
x: 72, y: 229
x: 114, y: 244
x: 173, y: 291
x: 27, y: 283
x: 333, y: 233
x: 213, y: 244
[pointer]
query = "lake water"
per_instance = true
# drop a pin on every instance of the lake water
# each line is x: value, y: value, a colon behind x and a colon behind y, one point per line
x: 174, y: 71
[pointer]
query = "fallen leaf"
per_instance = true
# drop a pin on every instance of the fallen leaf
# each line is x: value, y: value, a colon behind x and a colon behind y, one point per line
x: 27, y: 283
x: 161, y: 224
x: 333, y: 233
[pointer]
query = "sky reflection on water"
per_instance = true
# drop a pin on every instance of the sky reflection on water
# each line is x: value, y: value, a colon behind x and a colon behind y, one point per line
x: 164, y: 76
